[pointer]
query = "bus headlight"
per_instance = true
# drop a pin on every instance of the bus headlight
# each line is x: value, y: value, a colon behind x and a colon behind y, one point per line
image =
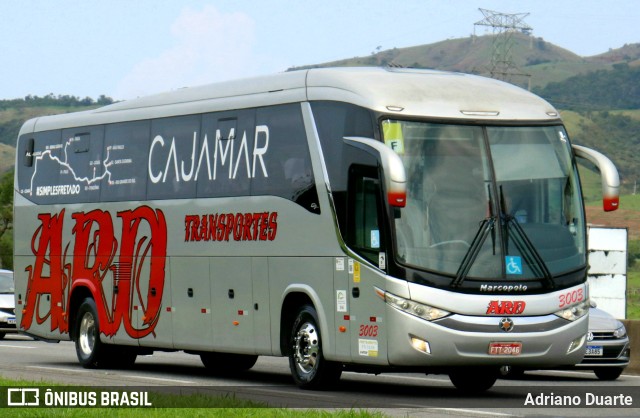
x: 420, y: 310
x: 574, y: 311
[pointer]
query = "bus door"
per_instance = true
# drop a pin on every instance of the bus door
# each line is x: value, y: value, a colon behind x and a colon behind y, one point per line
x: 365, y: 236
x: 232, y: 299
x: 261, y: 312
x: 191, y: 310
x: 150, y: 311
x: 341, y: 288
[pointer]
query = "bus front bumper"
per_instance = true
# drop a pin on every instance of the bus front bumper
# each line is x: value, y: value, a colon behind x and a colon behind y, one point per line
x: 458, y: 340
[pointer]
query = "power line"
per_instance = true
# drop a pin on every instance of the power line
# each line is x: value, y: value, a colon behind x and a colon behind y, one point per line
x: 504, y: 27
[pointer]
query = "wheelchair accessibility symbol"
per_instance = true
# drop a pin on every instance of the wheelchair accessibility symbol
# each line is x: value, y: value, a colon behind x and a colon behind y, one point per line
x: 514, y: 264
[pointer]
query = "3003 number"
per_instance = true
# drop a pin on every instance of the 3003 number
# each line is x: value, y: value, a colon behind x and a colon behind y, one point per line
x: 570, y: 298
x: 368, y: 331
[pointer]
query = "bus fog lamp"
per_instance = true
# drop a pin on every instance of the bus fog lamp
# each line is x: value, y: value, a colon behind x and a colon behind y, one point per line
x: 576, y: 344
x: 421, y: 345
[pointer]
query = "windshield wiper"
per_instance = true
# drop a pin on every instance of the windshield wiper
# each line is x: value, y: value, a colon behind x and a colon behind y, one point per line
x: 528, y: 250
x: 524, y: 245
x: 487, y: 226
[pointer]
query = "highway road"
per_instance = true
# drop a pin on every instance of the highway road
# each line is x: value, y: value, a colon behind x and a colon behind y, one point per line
x: 269, y: 381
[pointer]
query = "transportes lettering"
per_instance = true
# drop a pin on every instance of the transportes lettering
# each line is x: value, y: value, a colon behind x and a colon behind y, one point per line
x: 257, y: 226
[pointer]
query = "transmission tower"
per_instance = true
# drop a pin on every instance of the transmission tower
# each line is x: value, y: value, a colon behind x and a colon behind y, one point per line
x: 504, y: 27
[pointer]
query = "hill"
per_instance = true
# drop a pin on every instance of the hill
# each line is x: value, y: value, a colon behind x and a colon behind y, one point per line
x: 544, y: 61
x: 629, y: 53
x: 616, y: 88
x: 7, y: 157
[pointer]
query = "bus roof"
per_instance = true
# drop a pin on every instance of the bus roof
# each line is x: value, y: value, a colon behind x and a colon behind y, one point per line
x: 400, y: 91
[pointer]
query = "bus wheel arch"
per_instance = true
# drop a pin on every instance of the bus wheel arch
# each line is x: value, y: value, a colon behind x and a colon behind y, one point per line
x: 78, y: 296
x: 291, y: 305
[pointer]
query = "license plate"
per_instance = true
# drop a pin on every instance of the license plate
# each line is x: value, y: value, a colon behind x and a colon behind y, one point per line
x: 594, y: 350
x: 11, y: 321
x: 505, y: 349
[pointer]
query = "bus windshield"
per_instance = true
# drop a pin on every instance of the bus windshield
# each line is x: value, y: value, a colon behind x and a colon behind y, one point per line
x: 490, y: 203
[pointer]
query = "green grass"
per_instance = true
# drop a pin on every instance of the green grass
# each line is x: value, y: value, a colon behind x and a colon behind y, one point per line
x: 7, y: 157
x: 174, y: 405
x: 630, y: 201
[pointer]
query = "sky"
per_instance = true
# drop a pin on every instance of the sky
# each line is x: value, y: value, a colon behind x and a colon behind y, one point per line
x: 129, y: 48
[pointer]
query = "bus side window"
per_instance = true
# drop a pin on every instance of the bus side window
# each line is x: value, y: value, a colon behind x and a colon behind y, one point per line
x: 82, y: 164
x: 28, y: 153
x: 365, y: 236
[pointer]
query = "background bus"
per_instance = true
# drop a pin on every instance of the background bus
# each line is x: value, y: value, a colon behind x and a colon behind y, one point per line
x: 350, y: 219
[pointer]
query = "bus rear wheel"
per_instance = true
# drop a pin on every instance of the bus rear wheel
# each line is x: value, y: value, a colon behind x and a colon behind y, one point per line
x: 309, y: 368
x: 473, y: 380
x: 91, y: 352
x: 89, y: 349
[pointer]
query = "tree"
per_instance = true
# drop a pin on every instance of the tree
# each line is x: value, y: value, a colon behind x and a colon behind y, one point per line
x: 6, y: 220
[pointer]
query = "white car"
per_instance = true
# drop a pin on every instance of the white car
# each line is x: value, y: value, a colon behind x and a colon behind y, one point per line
x: 7, y: 304
x: 608, y: 348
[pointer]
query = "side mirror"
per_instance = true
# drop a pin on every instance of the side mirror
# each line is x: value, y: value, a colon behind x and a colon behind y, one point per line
x: 395, y: 177
x: 609, y: 174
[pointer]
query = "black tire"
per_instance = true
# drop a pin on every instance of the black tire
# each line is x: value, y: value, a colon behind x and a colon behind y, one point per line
x: 2, y: 334
x: 120, y: 357
x: 227, y: 363
x: 91, y: 352
x: 474, y: 380
x: 608, y: 373
x: 309, y: 368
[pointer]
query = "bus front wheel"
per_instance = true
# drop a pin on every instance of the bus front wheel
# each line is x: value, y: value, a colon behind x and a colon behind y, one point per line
x: 608, y: 373
x: 473, y: 380
x: 309, y: 368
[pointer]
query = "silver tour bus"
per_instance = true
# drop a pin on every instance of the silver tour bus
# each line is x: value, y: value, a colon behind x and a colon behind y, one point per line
x: 350, y: 219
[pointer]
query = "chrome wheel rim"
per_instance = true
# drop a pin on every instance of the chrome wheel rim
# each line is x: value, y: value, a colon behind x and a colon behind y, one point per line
x: 306, y: 348
x: 87, y: 336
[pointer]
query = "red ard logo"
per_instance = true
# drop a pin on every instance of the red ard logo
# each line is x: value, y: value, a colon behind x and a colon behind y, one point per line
x: 99, y: 256
x: 506, y: 307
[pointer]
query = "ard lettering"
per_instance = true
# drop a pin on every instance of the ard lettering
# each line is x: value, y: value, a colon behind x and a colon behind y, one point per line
x: 506, y: 307
x: 97, y: 259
